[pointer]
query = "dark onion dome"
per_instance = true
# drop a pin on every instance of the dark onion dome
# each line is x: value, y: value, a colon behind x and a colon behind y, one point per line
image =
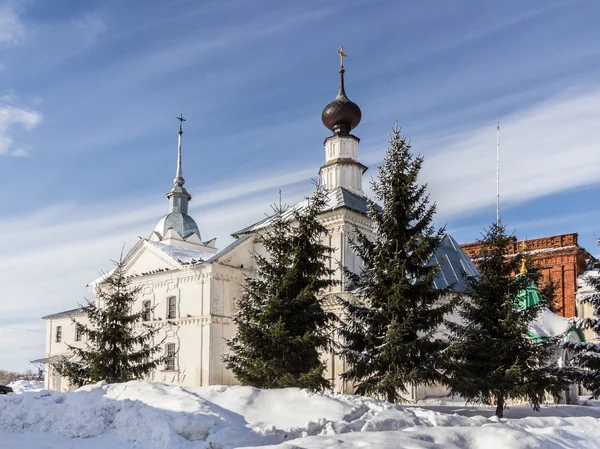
x: 341, y: 115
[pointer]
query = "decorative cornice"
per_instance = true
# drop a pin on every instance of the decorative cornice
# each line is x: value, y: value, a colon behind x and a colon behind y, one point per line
x: 188, y: 321
x: 345, y: 219
x: 343, y: 161
x: 338, y: 137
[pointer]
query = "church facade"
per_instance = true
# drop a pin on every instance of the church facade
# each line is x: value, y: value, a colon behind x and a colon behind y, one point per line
x: 188, y: 288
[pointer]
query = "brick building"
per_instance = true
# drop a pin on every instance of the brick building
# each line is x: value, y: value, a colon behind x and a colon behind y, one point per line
x: 560, y: 259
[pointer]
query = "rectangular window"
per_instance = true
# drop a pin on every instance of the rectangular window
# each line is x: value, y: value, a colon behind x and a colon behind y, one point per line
x: 58, y: 334
x: 77, y: 334
x: 147, y: 311
x: 170, y: 353
x: 172, y: 307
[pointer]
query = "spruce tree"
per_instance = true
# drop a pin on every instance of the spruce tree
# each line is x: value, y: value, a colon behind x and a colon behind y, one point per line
x: 494, y: 356
x: 118, y: 346
x: 281, y: 324
x: 586, y: 355
x: 388, y: 335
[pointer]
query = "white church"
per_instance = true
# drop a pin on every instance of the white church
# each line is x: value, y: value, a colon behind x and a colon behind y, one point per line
x: 189, y: 288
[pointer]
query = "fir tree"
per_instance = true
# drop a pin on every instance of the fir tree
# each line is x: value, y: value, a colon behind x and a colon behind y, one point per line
x: 494, y: 356
x: 281, y: 323
x: 388, y: 334
x: 118, y: 345
x: 586, y: 355
x: 548, y: 291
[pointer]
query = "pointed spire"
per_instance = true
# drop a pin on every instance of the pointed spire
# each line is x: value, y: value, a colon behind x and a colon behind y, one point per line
x: 179, y: 181
x: 342, y: 92
x: 178, y: 196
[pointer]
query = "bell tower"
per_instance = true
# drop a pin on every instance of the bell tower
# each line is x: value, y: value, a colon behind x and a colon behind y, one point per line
x: 342, y: 168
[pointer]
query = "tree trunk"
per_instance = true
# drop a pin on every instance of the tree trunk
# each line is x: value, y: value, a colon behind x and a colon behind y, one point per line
x: 391, y: 396
x: 500, y: 406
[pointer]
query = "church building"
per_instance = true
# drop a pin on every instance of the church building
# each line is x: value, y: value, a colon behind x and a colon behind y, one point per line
x: 188, y: 288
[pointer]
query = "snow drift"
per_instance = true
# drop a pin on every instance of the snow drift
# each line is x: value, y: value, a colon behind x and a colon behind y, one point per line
x: 156, y: 416
x: 21, y: 386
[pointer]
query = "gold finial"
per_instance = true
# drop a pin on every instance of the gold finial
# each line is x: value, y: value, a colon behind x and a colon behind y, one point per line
x: 523, y: 247
x: 342, y: 56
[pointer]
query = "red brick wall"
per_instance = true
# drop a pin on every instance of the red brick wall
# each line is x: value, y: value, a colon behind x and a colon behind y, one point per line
x: 560, y: 259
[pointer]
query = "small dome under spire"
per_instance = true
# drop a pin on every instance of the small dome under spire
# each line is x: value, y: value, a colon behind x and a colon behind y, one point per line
x: 341, y: 115
x: 181, y: 223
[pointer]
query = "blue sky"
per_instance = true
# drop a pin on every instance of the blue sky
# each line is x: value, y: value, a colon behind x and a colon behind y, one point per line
x: 89, y: 92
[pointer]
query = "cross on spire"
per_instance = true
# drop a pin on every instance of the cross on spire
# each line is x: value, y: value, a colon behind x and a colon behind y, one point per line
x: 342, y: 56
x: 181, y: 120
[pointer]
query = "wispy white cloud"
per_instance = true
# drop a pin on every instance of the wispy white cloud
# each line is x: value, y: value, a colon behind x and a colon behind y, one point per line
x: 26, y: 335
x: 11, y: 27
x: 20, y: 152
x: 560, y: 221
x: 127, y: 79
x: 92, y: 26
x: 501, y: 25
x: 12, y: 118
x: 546, y: 148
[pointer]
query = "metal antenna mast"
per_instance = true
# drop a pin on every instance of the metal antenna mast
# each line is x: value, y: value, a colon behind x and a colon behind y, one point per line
x: 498, y: 174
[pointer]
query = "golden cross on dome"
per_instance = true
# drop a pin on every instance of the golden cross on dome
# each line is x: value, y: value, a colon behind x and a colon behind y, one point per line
x: 523, y: 247
x: 342, y: 56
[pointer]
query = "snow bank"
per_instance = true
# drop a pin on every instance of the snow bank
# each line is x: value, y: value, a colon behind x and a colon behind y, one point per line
x: 156, y: 416
x: 21, y: 386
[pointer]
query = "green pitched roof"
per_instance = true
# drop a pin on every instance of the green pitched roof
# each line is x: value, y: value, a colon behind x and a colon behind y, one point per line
x: 529, y: 297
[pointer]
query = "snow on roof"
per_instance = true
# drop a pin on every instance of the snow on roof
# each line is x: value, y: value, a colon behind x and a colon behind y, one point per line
x: 337, y: 198
x: 101, y: 278
x: 549, y: 324
x: 584, y: 288
x: 229, y: 248
x: 550, y: 250
x: 76, y: 311
x: 184, y: 256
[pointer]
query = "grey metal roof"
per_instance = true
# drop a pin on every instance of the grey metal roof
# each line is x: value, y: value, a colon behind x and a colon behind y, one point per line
x: 337, y: 198
x: 44, y: 360
x: 345, y: 198
x: 229, y: 247
x: 253, y: 227
x: 454, y: 264
x: 65, y: 313
x: 181, y: 223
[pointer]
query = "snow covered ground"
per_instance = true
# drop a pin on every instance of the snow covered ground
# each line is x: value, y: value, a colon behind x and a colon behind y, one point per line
x: 21, y: 386
x: 156, y: 416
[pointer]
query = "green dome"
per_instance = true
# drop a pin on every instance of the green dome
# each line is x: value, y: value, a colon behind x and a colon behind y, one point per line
x: 529, y: 297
